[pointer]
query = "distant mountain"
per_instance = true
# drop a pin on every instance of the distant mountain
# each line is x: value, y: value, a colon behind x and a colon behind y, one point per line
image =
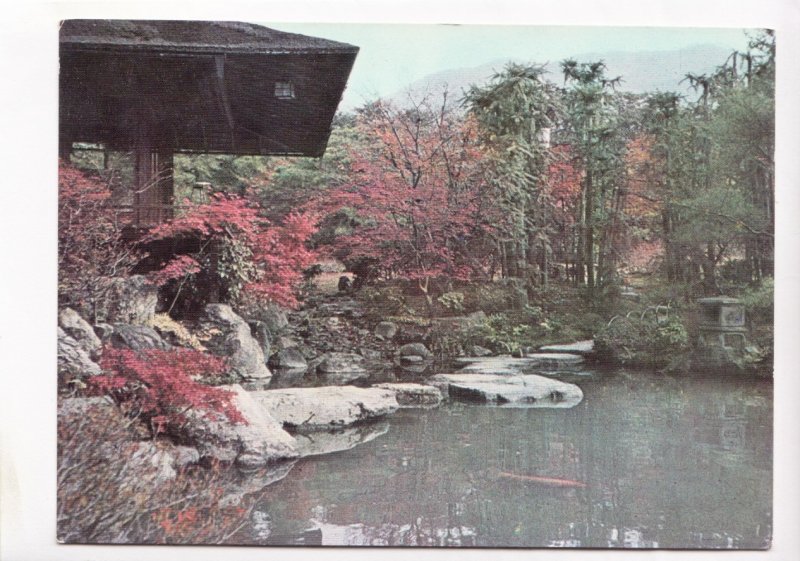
x: 641, y: 72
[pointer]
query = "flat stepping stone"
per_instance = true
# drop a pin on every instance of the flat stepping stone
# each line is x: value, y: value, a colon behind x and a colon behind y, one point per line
x: 326, y: 407
x: 413, y: 395
x: 511, y: 365
x: 522, y: 390
x: 579, y: 347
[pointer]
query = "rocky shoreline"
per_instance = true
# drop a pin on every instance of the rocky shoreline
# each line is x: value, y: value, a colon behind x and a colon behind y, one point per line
x: 307, y: 382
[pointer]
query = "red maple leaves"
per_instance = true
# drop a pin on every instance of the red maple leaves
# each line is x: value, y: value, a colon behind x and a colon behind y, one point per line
x: 162, y: 385
x: 270, y: 258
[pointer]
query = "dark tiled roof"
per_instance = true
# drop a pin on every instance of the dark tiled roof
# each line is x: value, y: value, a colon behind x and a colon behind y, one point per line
x: 192, y: 36
x: 196, y: 86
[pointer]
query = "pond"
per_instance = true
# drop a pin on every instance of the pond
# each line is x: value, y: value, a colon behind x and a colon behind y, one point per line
x: 645, y: 460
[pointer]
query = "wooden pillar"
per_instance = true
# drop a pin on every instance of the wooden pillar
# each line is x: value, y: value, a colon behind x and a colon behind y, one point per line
x: 154, y: 188
x: 64, y: 148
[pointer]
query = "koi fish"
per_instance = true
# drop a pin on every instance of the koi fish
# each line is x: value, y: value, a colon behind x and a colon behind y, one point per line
x: 548, y: 481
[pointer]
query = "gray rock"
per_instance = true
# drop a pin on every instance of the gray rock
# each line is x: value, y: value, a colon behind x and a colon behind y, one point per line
x: 230, y: 337
x: 273, y: 317
x: 260, y: 332
x: 411, y: 359
x: 262, y: 440
x: 512, y: 365
x: 370, y: 354
x: 288, y: 358
x: 414, y: 349
x: 103, y: 331
x: 342, y: 378
x: 73, y: 361
x: 148, y: 454
x: 132, y: 300
x: 80, y: 330
x: 414, y: 395
x: 137, y: 338
x: 331, y: 363
x: 184, y: 456
x: 329, y: 441
x: 326, y: 407
x: 460, y: 323
x: 478, y: 351
x: 386, y: 330
x: 528, y: 390
x: 82, y: 406
x: 285, y: 342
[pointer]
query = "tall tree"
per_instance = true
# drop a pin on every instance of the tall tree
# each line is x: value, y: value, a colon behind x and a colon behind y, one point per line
x: 592, y: 123
x: 417, y: 196
x: 516, y: 112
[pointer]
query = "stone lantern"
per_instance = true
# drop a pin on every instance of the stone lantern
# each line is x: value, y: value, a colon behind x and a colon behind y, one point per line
x: 722, y: 323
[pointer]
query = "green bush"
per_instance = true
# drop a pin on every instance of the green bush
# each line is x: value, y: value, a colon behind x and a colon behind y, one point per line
x: 759, y: 301
x: 642, y: 342
x: 452, y: 301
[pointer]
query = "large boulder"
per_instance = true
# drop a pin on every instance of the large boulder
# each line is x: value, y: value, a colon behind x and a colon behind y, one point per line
x: 385, y: 330
x: 413, y: 395
x: 529, y: 390
x: 80, y: 330
x: 288, y: 358
x: 259, y: 441
x: 229, y: 335
x: 326, y: 407
x: 334, y: 363
x: 261, y: 333
x: 414, y: 349
x: 73, y: 360
x: 273, y: 317
x: 132, y: 300
x: 137, y: 338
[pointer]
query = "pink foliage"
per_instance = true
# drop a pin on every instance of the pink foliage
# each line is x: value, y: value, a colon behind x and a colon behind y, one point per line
x: 278, y: 252
x: 162, y: 386
x: 420, y: 198
x: 90, y: 246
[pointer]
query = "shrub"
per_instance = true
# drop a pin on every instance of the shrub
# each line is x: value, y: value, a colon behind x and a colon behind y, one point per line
x: 91, y: 249
x: 642, y: 342
x: 452, y: 301
x: 161, y: 385
x: 237, y: 253
x: 102, y: 499
x: 759, y: 301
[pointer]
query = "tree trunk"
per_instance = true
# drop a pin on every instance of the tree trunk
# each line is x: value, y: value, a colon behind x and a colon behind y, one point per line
x: 589, y: 244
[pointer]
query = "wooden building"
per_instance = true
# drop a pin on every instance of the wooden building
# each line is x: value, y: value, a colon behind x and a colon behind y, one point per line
x: 157, y: 88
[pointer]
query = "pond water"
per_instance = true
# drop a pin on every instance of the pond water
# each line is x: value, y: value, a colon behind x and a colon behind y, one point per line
x: 644, y: 460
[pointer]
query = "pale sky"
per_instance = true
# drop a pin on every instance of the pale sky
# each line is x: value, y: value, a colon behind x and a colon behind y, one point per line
x: 392, y: 55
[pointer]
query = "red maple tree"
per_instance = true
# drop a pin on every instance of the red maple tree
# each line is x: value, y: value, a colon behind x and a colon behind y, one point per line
x: 419, y: 198
x: 162, y: 385
x: 238, y: 250
x: 91, y: 250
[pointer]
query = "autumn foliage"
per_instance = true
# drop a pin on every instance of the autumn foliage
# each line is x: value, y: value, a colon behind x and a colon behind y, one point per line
x: 237, y: 251
x: 91, y: 250
x: 421, y: 211
x: 162, y: 385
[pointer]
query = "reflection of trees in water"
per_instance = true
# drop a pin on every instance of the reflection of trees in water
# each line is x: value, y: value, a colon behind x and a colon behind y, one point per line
x: 663, y: 461
x: 671, y: 459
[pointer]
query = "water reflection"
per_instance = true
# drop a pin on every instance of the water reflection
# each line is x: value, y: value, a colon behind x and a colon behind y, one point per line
x: 643, y: 461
